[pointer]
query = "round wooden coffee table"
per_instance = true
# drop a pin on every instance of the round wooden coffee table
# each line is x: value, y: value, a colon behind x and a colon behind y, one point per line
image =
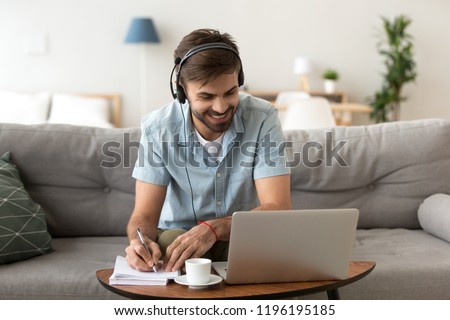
x: 357, y: 270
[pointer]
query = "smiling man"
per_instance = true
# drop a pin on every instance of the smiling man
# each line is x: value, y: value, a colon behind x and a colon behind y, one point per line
x: 210, y: 152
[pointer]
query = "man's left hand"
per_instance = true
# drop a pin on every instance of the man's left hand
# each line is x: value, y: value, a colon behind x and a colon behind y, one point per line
x: 192, y: 244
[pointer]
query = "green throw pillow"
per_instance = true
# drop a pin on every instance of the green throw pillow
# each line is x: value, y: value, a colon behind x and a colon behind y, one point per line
x: 23, y: 228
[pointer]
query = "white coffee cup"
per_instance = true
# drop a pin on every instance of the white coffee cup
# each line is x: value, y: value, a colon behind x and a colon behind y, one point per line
x: 198, y: 271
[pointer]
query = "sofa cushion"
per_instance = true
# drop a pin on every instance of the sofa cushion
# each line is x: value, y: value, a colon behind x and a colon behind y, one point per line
x: 434, y: 216
x: 23, y: 229
x: 81, y: 176
x: 410, y: 264
x: 384, y: 170
x: 66, y: 273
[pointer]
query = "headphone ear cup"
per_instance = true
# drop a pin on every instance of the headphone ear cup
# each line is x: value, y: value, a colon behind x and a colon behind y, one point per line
x: 241, y: 78
x: 181, y: 96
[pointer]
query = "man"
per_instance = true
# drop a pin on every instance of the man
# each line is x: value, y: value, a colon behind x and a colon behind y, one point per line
x: 209, y: 153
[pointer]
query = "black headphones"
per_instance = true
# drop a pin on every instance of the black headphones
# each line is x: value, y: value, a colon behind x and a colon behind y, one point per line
x: 179, y: 93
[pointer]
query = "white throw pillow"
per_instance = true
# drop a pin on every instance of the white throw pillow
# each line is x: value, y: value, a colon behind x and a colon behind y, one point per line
x: 78, y: 110
x: 24, y: 108
x: 434, y: 215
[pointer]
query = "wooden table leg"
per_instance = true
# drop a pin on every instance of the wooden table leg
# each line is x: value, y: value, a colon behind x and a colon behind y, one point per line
x: 333, y: 294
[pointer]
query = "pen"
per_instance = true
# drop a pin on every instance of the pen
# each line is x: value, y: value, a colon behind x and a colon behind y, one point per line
x: 145, y: 246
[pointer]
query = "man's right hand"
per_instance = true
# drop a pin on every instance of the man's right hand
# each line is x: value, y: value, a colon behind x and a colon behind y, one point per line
x: 139, y: 258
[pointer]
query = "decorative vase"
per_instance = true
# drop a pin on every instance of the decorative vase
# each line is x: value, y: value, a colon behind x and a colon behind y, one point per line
x: 330, y: 86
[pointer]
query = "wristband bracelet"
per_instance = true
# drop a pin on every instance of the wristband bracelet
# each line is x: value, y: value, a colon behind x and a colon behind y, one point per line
x: 209, y: 226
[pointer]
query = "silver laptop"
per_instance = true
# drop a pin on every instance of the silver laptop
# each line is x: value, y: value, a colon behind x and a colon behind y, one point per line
x: 289, y: 246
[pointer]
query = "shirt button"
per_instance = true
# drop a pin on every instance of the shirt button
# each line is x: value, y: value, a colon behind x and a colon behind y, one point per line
x: 219, y: 203
x: 218, y: 175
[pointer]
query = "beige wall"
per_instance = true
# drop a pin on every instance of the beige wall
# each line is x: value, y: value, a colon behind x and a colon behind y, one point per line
x: 86, y: 51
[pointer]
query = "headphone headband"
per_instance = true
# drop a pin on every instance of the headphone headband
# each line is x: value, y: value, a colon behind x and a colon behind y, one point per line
x: 179, y: 93
x: 207, y: 46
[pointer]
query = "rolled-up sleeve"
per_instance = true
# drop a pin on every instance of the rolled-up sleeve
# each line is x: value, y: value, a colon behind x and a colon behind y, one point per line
x: 271, y: 155
x: 150, y: 166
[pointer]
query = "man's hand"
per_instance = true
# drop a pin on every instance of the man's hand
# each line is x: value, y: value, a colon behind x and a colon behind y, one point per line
x: 145, y: 216
x: 139, y: 258
x: 192, y: 244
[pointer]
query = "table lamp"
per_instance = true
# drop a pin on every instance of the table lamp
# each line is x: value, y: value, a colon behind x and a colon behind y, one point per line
x: 142, y: 32
x: 302, y: 67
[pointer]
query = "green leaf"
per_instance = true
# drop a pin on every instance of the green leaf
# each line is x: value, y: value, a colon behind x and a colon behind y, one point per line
x: 397, y: 48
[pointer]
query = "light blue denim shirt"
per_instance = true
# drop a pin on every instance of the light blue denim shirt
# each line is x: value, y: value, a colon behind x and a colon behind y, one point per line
x: 170, y: 155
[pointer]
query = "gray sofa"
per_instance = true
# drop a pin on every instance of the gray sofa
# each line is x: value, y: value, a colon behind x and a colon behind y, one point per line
x: 82, y: 178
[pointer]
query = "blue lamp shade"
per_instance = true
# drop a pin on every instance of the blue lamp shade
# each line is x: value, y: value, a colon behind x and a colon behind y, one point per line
x: 142, y: 30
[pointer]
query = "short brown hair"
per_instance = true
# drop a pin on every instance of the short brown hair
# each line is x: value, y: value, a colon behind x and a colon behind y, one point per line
x: 206, y: 65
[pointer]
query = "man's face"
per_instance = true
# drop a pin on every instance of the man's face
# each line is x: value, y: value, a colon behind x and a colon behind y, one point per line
x: 213, y: 105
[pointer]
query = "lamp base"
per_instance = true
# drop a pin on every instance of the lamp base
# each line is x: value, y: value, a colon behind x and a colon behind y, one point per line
x: 303, y: 83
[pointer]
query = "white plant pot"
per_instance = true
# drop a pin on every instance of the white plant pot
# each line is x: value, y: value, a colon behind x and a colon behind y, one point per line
x: 330, y: 86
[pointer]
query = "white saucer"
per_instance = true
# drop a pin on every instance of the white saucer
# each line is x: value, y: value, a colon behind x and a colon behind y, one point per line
x: 213, y: 279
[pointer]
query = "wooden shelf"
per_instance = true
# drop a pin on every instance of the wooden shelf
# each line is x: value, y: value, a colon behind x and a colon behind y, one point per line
x: 340, y: 106
x: 336, y: 97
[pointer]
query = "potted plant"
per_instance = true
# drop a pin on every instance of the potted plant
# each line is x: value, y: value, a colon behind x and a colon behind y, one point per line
x: 330, y: 77
x: 397, y: 48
